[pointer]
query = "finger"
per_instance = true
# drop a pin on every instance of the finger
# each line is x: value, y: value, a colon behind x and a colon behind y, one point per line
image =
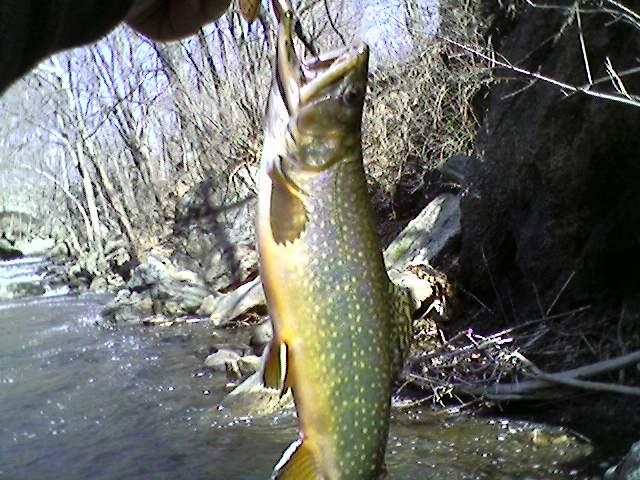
x: 249, y: 9
x: 166, y: 20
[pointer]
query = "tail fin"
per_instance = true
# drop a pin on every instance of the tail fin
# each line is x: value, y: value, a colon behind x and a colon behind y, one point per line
x: 297, y: 463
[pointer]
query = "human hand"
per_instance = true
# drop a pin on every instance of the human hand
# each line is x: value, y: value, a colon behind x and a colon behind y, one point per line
x: 167, y: 20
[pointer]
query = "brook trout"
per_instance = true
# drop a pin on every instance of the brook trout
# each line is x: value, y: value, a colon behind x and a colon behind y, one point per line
x: 341, y: 329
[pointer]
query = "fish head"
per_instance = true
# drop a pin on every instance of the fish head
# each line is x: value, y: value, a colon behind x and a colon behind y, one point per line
x: 324, y: 97
x: 312, y: 132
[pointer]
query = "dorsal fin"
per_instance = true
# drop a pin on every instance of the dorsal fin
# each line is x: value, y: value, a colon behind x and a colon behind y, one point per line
x: 288, y: 215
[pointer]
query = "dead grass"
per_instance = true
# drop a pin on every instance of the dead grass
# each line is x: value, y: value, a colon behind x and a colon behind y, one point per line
x: 420, y: 111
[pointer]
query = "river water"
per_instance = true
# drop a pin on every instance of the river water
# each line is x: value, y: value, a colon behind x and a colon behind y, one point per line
x: 78, y: 401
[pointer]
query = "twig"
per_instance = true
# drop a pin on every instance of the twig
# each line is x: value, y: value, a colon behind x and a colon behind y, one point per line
x: 619, y: 328
x: 538, y: 320
x: 333, y: 25
x: 493, y: 284
x: 475, y: 347
x: 615, y: 78
x: 588, y: 343
x: 481, y: 348
x: 626, y: 10
x: 619, y: 75
x: 572, y: 88
x: 605, y: 365
x: 621, y: 343
x: 538, y: 301
x: 563, y: 379
x: 474, y: 297
x: 415, y: 403
x: 583, y: 47
x: 454, y: 338
x: 562, y: 289
x: 521, y: 390
x: 588, y: 385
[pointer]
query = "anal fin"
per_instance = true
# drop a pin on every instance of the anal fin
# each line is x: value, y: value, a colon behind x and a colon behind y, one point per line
x: 274, y: 369
x: 297, y: 463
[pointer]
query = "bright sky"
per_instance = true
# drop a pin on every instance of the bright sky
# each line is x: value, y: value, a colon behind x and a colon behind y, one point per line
x: 385, y: 25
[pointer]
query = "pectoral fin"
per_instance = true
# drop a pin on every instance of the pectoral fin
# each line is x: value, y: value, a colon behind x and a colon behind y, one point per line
x: 297, y: 463
x: 288, y: 215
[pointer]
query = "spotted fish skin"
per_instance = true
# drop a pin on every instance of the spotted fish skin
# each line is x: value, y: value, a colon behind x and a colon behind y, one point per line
x: 331, y: 301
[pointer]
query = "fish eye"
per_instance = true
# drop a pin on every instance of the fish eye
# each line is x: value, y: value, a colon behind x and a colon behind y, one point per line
x: 350, y: 96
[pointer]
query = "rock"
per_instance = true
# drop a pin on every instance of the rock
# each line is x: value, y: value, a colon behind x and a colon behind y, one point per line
x: 143, y: 301
x: 114, y: 281
x: 426, y: 235
x: 456, y: 170
x: 409, y: 257
x: 249, y: 364
x: 128, y: 306
x: 241, y: 349
x: 261, y: 336
x: 209, y: 304
x: 61, y: 249
x: 35, y: 246
x: 628, y: 468
x: 172, y: 308
x: 222, y: 308
x: 420, y: 290
x: 218, y: 360
x: 190, y: 297
x: 240, y: 261
x: 233, y: 371
x: 120, y: 261
x: 214, y: 226
x: 148, y: 274
x: 98, y: 284
x: 21, y: 290
x: 157, y: 286
x: 120, y: 314
x: 252, y: 398
x: 555, y: 191
x: 8, y: 251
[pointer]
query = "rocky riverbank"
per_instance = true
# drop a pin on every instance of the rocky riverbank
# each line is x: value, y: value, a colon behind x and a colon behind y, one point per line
x: 522, y: 261
x: 182, y: 282
x: 163, y: 290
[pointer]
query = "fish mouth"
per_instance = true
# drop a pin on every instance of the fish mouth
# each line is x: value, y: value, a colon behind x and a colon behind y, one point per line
x: 301, y: 81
